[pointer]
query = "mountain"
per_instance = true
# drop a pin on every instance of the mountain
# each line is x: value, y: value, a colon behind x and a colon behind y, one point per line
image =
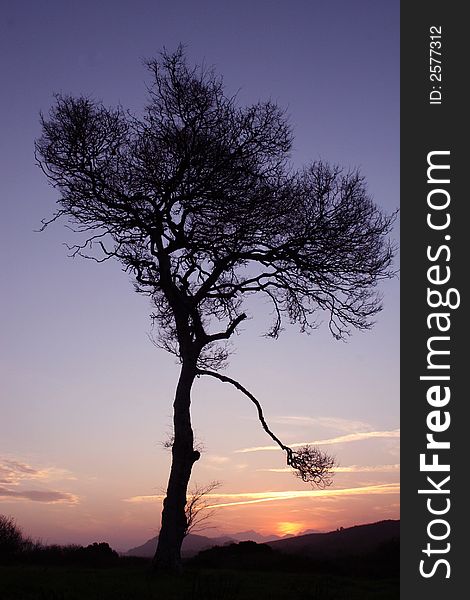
x: 192, y: 544
x: 360, y: 539
x: 362, y: 551
x: 253, y: 536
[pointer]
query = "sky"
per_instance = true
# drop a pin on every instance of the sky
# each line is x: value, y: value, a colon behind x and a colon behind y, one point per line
x: 85, y: 396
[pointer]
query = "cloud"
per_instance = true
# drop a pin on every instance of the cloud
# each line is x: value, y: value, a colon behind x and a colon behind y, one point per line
x: 13, y: 471
x: 214, y: 458
x: 47, y: 497
x: 345, y: 425
x: 254, y: 498
x: 14, y: 474
x: 350, y: 437
x: 216, y: 462
x: 142, y: 499
x: 351, y: 469
x: 236, y: 499
x: 368, y: 469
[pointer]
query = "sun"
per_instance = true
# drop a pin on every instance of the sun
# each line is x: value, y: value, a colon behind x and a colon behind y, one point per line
x: 289, y: 528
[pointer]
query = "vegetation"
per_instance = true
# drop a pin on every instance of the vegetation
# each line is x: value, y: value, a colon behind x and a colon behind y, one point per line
x: 243, y: 571
x: 12, y: 541
x: 20, y: 582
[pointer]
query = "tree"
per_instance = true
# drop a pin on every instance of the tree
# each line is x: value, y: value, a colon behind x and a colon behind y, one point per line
x: 11, y: 537
x: 197, y: 199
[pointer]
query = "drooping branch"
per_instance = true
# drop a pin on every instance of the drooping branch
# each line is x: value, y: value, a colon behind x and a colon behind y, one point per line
x: 309, y: 463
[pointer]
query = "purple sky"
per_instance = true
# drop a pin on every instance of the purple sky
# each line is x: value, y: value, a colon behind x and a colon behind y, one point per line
x: 86, y: 398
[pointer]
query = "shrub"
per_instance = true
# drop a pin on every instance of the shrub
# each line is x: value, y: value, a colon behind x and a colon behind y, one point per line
x: 11, y: 537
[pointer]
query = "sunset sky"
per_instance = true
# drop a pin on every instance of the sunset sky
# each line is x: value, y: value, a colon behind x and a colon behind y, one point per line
x: 85, y: 396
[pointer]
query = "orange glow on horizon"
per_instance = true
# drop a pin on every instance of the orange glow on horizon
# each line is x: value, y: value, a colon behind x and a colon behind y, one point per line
x: 290, y: 528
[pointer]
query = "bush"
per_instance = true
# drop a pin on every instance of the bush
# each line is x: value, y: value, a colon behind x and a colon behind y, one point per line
x: 11, y: 538
x: 94, y: 555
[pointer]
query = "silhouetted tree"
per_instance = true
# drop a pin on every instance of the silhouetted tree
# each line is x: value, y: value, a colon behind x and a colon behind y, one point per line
x: 196, y: 198
x: 11, y: 538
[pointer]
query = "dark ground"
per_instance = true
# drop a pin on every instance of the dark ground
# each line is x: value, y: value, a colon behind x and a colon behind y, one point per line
x: 137, y: 582
x: 360, y: 563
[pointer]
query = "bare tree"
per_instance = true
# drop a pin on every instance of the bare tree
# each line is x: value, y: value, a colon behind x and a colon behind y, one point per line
x: 197, y: 199
x: 199, y: 507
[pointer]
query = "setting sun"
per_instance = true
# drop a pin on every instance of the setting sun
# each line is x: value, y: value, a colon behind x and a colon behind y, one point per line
x: 289, y: 528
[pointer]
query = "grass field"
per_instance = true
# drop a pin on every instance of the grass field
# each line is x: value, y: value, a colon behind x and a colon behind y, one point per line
x: 24, y: 582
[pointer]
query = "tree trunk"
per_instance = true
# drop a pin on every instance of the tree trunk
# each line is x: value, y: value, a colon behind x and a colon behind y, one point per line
x: 173, y: 529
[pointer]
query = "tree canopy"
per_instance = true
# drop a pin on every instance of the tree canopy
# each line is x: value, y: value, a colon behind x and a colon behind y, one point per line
x: 198, y: 199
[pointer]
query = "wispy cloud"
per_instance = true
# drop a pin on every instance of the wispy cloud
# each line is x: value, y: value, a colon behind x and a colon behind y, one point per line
x: 48, y: 497
x: 216, y: 462
x: 395, y: 468
x: 350, y: 437
x: 254, y: 498
x: 344, y: 425
x: 143, y: 499
x: 351, y: 469
x: 216, y: 459
x: 235, y: 499
x: 15, y: 474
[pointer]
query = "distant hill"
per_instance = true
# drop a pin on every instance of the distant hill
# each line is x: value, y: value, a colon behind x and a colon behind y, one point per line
x: 192, y: 544
x: 253, y: 536
x: 360, y: 539
x: 362, y: 551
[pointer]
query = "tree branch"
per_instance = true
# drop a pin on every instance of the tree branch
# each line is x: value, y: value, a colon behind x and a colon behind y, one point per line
x: 224, y: 335
x: 309, y: 463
